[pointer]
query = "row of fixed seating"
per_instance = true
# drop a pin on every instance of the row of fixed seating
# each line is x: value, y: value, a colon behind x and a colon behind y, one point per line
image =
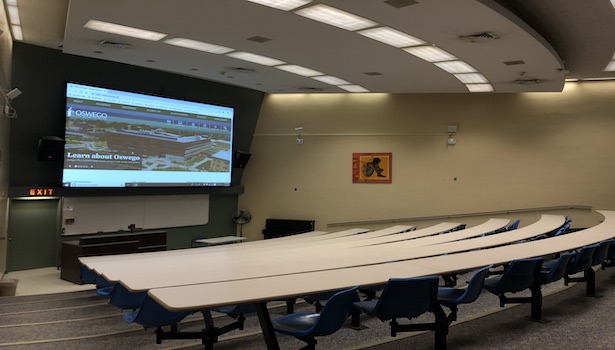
x: 306, y: 326
x: 412, y: 297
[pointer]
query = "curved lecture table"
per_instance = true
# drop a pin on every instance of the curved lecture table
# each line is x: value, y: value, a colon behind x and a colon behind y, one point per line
x: 261, y: 290
x: 139, y: 275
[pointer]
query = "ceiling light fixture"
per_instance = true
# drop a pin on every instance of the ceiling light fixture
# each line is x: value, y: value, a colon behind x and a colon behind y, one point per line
x: 353, y: 88
x: 299, y: 70
x: 13, y: 12
x: 284, y: 5
x: 199, y: 45
x: 455, y: 67
x: 124, y: 30
x: 471, y: 78
x: 430, y: 53
x: 479, y: 87
x: 254, y: 58
x: 331, y: 80
x: 338, y: 18
x: 391, y: 37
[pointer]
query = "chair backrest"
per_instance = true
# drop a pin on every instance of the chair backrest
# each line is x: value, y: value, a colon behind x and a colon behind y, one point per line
x: 475, y: 286
x: 124, y: 299
x: 334, y: 313
x: 582, y: 260
x: 87, y: 275
x: 407, y: 297
x: 513, y: 226
x: 456, y: 228
x: 152, y: 314
x: 558, y: 269
x: 601, y: 253
x: 611, y: 252
x: 519, y: 275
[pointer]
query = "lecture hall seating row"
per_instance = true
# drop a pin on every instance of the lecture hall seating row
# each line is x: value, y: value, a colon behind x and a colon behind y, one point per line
x: 340, y: 262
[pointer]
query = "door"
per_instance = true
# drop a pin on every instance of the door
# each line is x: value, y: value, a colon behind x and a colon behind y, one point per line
x: 33, y: 234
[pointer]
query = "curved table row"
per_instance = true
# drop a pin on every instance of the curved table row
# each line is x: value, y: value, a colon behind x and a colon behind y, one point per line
x: 145, y: 274
x: 260, y: 290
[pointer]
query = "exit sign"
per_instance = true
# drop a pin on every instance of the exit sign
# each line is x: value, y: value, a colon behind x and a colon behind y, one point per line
x: 46, y: 191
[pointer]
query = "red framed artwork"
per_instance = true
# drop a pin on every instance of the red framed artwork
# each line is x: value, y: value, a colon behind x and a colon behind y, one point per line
x: 372, y: 167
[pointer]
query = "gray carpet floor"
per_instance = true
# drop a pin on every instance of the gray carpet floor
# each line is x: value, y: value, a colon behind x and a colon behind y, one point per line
x: 83, y: 320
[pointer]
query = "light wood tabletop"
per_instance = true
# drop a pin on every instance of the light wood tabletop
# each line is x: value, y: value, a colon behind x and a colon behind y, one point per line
x: 283, y: 286
x: 194, y: 269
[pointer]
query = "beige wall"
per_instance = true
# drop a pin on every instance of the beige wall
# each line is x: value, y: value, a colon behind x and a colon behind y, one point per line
x: 513, y: 151
x: 6, y: 46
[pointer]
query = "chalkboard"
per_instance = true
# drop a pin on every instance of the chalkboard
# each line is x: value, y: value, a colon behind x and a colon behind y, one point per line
x: 114, y: 213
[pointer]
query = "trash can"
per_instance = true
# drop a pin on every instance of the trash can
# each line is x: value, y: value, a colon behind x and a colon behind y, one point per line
x: 8, y: 287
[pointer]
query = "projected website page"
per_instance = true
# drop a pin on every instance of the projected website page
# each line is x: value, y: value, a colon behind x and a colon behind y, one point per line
x: 123, y: 139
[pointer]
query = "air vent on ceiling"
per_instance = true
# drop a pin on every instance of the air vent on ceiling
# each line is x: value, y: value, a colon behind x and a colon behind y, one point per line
x: 514, y: 63
x: 259, y: 39
x: 479, y: 37
x: 310, y: 89
x: 241, y: 70
x: 527, y: 81
x: 114, y: 44
x: 400, y: 3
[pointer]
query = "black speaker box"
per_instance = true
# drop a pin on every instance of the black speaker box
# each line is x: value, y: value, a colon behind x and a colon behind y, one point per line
x: 50, y: 148
x: 241, y: 159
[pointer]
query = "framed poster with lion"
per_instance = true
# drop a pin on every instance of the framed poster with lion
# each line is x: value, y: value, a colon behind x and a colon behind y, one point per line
x: 372, y: 167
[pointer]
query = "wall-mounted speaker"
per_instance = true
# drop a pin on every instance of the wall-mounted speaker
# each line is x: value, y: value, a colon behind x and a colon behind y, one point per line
x: 240, y: 159
x: 50, y: 148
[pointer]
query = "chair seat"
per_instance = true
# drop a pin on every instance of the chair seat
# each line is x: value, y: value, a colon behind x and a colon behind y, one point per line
x: 367, y: 307
x: 241, y: 309
x: 448, y: 295
x: 105, y: 291
x: 129, y: 317
x: 297, y: 323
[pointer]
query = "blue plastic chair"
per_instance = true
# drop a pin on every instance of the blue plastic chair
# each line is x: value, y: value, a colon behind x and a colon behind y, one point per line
x: 451, y: 297
x: 317, y: 298
x: 103, y: 287
x: 88, y: 276
x: 407, y: 298
x: 152, y: 314
x: 308, y: 325
x: 610, y: 256
x: 519, y: 275
x: 555, y: 270
x: 583, y: 261
x: 124, y: 299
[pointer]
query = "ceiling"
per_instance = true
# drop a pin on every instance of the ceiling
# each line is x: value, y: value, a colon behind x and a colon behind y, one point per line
x: 537, y: 45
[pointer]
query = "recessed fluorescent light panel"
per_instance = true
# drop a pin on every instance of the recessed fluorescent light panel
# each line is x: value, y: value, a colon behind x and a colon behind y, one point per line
x: 299, y: 70
x: 123, y: 30
x: 14, y: 15
x: 199, y: 45
x: 471, y: 78
x: 391, y: 37
x: 430, y: 53
x: 455, y: 67
x: 611, y: 66
x: 17, y: 34
x: 338, y: 18
x: 331, y: 80
x: 13, y: 12
x: 479, y: 87
x: 254, y: 58
x: 284, y: 5
x: 353, y: 88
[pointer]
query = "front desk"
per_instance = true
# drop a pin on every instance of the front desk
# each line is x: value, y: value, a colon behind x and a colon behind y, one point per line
x: 107, y: 244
